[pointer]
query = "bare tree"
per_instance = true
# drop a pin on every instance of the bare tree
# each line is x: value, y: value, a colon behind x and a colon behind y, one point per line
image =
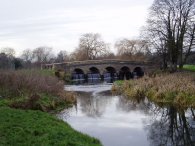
x: 157, y: 47
x: 189, y: 44
x: 78, y: 54
x: 125, y: 47
x: 171, y: 21
x: 91, y: 46
x: 7, y: 58
x: 62, y: 56
x: 131, y: 49
x: 107, y: 55
x: 10, y: 52
x: 6, y: 62
x: 42, y: 54
x: 27, y: 55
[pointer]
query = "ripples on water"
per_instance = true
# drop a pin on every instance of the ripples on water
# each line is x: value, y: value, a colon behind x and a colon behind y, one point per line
x: 118, y: 122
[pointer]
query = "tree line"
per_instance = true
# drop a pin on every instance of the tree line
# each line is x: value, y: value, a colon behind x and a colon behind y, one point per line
x: 167, y: 38
x: 91, y: 47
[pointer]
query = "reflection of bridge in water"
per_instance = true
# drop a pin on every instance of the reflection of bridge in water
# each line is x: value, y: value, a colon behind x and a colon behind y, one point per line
x: 94, y: 71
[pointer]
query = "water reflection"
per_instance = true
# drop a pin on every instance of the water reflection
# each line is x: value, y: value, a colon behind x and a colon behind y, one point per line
x: 92, y: 106
x: 117, y: 121
x: 127, y: 106
x: 172, y: 128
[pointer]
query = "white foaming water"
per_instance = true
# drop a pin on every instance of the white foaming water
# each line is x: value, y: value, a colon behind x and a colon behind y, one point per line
x: 89, y: 88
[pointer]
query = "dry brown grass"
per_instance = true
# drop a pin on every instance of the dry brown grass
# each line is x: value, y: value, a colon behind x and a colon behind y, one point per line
x: 177, y: 88
x: 17, y: 83
x: 31, y: 89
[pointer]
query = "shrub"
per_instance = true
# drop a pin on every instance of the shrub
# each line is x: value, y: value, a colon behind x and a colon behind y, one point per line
x: 33, y: 90
x: 18, y: 83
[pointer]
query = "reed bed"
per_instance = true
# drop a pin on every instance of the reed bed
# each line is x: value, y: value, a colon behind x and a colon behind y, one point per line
x: 177, y: 89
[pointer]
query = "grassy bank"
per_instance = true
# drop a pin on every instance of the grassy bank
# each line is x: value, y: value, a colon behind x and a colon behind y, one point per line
x: 26, y: 98
x: 177, y: 89
x: 189, y: 67
x: 27, y: 127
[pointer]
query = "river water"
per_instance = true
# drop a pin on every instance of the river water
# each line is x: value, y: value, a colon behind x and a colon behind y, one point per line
x: 116, y: 121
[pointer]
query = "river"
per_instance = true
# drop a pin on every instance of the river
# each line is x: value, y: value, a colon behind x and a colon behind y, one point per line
x: 116, y: 121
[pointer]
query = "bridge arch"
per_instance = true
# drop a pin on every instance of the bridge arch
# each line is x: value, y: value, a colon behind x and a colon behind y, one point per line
x: 94, y: 75
x: 78, y: 71
x: 110, y: 74
x: 125, y: 73
x: 78, y: 76
x: 110, y: 69
x: 138, y: 72
x: 94, y: 70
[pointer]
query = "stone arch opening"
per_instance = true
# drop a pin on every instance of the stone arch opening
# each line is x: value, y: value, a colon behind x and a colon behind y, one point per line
x: 110, y: 74
x: 138, y: 72
x: 78, y: 76
x: 94, y: 75
x: 110, y: 69
x: 94, y: 70
x: 125, y: 73
x: 78, y: 71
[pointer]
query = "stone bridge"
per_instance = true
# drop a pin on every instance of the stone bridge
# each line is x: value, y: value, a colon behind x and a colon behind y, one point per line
x: 120, y: 68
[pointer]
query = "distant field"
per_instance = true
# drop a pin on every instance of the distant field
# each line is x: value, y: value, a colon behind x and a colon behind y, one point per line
x: 189, y: 67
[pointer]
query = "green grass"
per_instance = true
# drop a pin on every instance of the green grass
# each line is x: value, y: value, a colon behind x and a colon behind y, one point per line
x: 189, y: 67
x: 27, y: 128
x: 25, y: 98
x: 42, y: 102
x: 119, y: 82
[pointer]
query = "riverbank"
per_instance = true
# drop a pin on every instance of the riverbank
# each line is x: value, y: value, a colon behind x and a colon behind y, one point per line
x: 177, y: 89
x: 27, y: 99
x: 27, y: 127
x: 33, y: 89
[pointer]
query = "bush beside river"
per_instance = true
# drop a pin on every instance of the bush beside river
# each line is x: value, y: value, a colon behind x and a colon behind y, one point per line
x: 33, y: 90
x: 25, y: 97
x: 177, y: 89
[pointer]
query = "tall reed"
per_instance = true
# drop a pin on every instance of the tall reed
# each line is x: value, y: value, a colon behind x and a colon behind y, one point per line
x: 177, y: 89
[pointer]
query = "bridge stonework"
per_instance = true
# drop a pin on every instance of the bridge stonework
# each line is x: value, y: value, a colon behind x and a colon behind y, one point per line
x: 101, y: 65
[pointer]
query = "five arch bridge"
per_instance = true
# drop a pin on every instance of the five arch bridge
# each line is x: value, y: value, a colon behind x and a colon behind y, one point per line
x: 102, y: 70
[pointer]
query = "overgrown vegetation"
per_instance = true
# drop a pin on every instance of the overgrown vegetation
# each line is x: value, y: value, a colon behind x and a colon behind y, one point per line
x: 33, y: 90
x: 177, y: 89
x: 27, y: 127
x: 23, y: 91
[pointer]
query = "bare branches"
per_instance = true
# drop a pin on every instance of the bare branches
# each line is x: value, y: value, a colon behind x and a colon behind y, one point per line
x: 42, y: 54
x: 132, y: 49
x: 91, y: 46
x: 172, y: 21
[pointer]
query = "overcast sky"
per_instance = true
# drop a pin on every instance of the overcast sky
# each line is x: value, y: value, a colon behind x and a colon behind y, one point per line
x: 60, y: 23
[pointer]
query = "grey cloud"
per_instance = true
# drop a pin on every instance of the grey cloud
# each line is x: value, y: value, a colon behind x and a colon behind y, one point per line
x: 26, y: 23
